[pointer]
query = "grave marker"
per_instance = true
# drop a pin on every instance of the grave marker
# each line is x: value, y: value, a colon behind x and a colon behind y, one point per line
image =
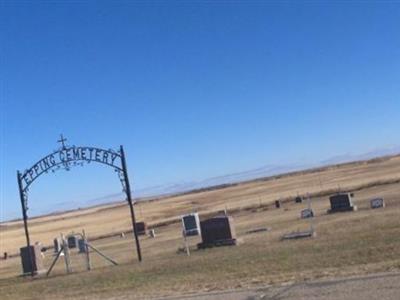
x: 298, y: 199
x: 32, y: 260
x: 191, y: 227
x: 307, y: 213
x: 299, y: 235
x: 191, y: 224
x: 82, y: 246
x: 141, y: 228
x: 217, y: 231
x: 72, y: 241
x: 277, y: 203
x: 341, y: 202
x: 377, y: 203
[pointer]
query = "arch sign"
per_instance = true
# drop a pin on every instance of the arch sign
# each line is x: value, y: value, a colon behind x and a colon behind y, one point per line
x: 65, y: 158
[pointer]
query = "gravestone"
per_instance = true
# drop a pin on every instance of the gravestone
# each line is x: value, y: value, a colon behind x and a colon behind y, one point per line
x: 72, y: 241
x: 33, y: 262
x: 341, y: 202
x: 307, y: 213
x: 277, y: 203
x: 141, y: 228
x: 191, y: 224
x: 217, y: 231
x: 377, y: 203
x: 298, y: 199
x: 299, y: 235
x: 82, y: 246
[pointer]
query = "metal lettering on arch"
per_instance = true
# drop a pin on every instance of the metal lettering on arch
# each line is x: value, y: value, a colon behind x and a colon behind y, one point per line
x: 67, y: 157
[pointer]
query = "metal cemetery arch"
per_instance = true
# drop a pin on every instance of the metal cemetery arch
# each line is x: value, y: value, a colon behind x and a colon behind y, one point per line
x: 65, y: 158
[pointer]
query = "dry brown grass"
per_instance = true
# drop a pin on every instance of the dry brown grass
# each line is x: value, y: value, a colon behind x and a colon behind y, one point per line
x: 348, y: 243
x: 115, y: 218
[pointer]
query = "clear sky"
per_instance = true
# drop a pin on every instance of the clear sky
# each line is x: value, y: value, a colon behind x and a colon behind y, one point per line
x: 191, y: 89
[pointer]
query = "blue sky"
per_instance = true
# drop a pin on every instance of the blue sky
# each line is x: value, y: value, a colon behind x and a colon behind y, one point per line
x: 191, y: 89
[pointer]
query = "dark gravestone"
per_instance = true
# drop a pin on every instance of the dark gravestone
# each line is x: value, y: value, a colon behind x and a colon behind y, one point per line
x: 298, y: 199
x: 82, y: 246
x: 191, y: 225
x: 217, y: 231
x: 341, y: 202
x: 33, y: 262
x: 277, y: 203
x: 72, y: 241
x: 141, y: 228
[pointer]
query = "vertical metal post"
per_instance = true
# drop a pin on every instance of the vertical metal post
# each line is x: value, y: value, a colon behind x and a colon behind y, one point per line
x: 186, y: 244
x: 312, y: 218
x: 66, y: 254
x: 129, y: 198
x: 88, y: 265
x: 25, y: 217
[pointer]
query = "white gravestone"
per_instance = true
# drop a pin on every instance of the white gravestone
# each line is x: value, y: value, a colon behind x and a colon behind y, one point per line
x: 191, y: 224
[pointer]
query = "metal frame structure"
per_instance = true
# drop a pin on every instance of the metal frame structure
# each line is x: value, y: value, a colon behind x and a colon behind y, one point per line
x: 65, y: 158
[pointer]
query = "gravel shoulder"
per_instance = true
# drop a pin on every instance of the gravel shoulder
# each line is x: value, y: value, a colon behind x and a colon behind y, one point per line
x: 384, y: 286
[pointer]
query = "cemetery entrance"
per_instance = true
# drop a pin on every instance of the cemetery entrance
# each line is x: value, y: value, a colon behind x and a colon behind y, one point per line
x: 65, y: 158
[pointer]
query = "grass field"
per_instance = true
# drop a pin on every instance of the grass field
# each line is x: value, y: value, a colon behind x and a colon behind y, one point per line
x: 359, y: 242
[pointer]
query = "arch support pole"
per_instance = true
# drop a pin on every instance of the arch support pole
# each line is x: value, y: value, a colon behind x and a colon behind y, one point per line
x: 129, y: 198
x: 25, y: 218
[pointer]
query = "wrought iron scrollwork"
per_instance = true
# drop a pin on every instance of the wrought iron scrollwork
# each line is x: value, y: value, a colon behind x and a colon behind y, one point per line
x: 67, y: 157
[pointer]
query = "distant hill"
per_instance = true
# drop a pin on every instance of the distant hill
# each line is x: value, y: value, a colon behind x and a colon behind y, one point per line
x: 160, y: 191
x: 262, y: 172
